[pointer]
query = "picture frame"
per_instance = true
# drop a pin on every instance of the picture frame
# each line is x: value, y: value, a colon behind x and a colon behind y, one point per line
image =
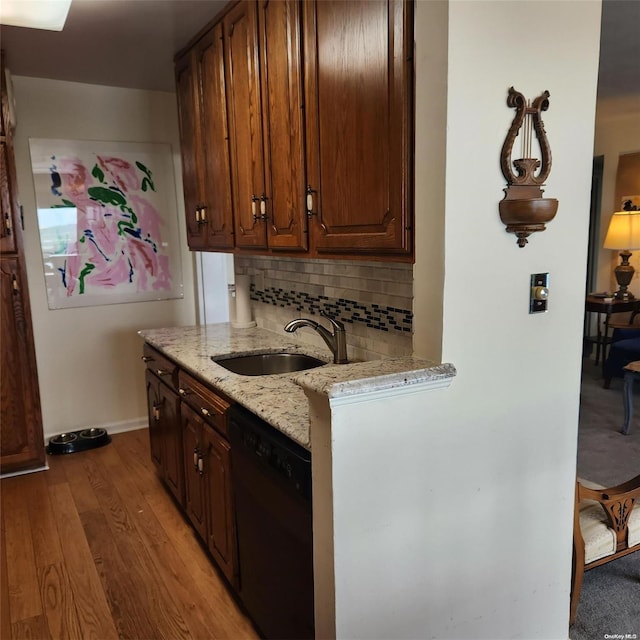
x: 107, y: 219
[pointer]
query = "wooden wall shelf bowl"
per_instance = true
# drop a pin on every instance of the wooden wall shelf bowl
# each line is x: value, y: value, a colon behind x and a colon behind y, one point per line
x: 534, y: 211
x: 524, y: 210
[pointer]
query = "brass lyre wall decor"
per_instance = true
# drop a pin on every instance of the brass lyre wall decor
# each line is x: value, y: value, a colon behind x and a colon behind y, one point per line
x: 523, y: 209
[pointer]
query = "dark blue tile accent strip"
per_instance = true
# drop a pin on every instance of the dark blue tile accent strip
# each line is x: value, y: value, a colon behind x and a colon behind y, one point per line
x: 350, y: 311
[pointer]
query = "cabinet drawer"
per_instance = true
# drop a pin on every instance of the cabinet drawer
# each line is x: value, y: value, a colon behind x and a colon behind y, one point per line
x: 212, y: 407
x: 161, y: 366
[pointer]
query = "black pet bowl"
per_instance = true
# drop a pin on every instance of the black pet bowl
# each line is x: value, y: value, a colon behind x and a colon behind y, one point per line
x: 78, y: 441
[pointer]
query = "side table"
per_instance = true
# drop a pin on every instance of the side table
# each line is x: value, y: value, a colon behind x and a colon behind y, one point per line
x: 631, y: 374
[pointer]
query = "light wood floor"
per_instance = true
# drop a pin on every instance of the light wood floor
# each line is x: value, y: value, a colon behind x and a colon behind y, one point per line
x: 95, y: 548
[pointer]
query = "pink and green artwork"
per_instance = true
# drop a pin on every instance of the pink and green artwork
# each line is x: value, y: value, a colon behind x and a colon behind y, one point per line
x: 108, y: 221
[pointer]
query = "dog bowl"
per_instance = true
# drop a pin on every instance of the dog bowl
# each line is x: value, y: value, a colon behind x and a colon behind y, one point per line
x: 78, y: 441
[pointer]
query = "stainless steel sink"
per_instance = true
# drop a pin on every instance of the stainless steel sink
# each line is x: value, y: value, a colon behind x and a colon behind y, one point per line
x: 267, y: 364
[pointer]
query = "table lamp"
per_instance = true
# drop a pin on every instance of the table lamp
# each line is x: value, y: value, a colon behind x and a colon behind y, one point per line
x: 624, y: 234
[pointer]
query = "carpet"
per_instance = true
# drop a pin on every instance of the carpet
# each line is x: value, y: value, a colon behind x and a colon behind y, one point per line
x: 610, y: 598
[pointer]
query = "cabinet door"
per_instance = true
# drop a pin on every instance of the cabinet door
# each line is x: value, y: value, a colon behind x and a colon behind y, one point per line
x: 283, y: 123
x: 194, y: 479
x: 7, y: 232
x: 190, y: 137
x: 245, y: 125
x: 22, y: 442
x: 359, y: 107
x: 154, y: 409
x: 172, y: 457
x: 217, y: 209
x: 221, y: 530
x: 8, y: 188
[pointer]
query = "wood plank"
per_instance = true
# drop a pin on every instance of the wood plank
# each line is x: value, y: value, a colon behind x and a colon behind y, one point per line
x: 22, y: 578
x: 123, y: 585
x: 79, y: 483
x: 58, y: 603
x: 187, y: 572
x: 46, y: 543
x: 56, y: 472
x: 163, y: 603
x: 30, y: 628
x: 91, y: 604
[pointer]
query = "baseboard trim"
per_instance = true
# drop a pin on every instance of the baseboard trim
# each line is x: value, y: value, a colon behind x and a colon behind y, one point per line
x: 24, y: 472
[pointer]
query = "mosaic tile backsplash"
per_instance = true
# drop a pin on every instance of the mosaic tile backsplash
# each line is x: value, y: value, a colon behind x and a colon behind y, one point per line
x: 374, y: 300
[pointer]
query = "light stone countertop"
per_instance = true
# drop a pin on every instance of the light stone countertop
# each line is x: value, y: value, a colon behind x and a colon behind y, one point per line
x: 280, y: 399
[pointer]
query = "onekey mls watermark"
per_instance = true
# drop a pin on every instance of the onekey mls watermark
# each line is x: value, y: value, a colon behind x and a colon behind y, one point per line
x: 620, y: 636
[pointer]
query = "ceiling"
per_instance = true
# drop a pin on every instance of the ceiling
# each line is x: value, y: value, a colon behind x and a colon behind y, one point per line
x: 131, y: 43
x: 120, y: 43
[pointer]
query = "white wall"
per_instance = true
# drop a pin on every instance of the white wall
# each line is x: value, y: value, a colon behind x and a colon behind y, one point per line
x: 89, y: 365
x: 456, y: 521
x: 617, y: 133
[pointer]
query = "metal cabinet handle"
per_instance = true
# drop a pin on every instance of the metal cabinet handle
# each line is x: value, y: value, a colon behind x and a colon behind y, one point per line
x: 196, y: 455
x: 156, y: 412
x: 201, y: 214
x: 200, y: 465
x: 147, y: 359
x: 254, y: 206
x: 184, y: 392
x: 162, y: 372
x: 205, y: 412
x: 263, y: 207
x: 310, y: 192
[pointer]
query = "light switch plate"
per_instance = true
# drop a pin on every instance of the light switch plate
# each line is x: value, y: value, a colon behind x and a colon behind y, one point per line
x: 539, y: 293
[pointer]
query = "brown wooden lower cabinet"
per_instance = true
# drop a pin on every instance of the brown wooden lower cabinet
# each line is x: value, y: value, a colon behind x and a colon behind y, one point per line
x: 189, y: 446
x: 22, y: 442
x: 194, y: 473
x: 164, y: 433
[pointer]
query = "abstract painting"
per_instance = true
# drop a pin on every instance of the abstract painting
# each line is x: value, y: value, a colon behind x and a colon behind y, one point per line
x: 108, y: 221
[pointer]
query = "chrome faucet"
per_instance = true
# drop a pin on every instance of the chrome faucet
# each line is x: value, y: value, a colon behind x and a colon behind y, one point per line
x: 336, y: 341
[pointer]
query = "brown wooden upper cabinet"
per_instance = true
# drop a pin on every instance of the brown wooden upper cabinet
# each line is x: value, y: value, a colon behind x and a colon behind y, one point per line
x: 319, y: 98
x: 359, y: 119
x: 200, y: 83
x: 264, y: 98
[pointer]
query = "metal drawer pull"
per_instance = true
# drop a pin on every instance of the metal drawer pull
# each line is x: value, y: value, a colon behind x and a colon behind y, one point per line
x: 195, y: 459
x: 200, y: 466
x: 205, y: 412
x: 162, y: 372
x: 147, y: 358
x: 184, y: 392
x: 156, y: 412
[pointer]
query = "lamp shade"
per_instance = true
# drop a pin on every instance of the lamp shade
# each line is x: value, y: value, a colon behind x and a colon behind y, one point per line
x: 624, y: 231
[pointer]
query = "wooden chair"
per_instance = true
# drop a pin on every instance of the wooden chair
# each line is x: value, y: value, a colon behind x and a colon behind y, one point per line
x: 606, y: 526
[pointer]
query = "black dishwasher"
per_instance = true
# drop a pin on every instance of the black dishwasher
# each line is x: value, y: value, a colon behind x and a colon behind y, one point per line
x: 272, y: 491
